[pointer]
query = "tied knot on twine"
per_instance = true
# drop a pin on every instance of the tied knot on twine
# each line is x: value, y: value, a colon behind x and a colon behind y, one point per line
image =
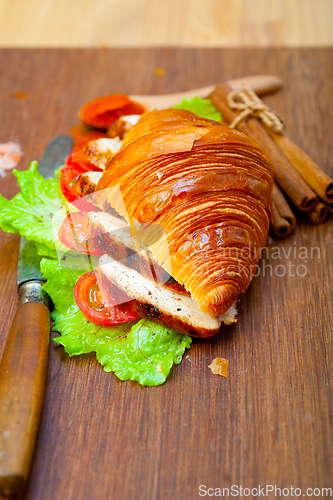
x: 250, y: 105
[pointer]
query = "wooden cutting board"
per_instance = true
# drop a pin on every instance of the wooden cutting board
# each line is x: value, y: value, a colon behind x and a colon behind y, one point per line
x: 269, y: 422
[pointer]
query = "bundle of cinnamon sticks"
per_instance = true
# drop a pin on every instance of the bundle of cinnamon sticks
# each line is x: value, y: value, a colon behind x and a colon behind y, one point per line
x: 297, y: 177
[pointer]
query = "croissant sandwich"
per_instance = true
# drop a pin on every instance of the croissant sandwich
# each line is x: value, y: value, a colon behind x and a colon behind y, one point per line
x: 208, y: 188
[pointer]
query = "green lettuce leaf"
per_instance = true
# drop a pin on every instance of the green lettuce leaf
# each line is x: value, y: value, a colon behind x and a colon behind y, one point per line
x: 31, y: 211
x: 141, y: 350
x: 201, y: 107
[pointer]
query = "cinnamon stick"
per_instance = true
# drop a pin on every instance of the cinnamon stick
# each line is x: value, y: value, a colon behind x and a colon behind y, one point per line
x: 318, y: 214
x: 286, y: 176
x: 320, y: 182
x: 283, y: 220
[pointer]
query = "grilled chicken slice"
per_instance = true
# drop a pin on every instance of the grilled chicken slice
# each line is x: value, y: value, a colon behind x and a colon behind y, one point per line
x: 87, y: 181
x: 157, y: 302
x: 120, y: 127
x: 101, y: 151
x: 109, y: 230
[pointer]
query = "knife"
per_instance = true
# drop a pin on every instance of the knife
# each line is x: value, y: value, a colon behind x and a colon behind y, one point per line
x: 24, y: 362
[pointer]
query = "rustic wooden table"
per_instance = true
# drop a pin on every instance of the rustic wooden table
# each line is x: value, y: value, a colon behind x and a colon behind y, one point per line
x: 269, y: 422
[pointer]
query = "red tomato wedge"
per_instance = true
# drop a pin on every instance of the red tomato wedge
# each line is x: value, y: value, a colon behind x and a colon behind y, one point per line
x: 70, y: 187
x: 68, y: 183
x: 73, y: 234
x: 101, y: 112
x: 89, y: 300
x: 80, y: 161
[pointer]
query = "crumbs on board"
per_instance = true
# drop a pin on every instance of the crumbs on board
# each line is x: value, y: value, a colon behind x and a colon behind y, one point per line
x: 219, y: 366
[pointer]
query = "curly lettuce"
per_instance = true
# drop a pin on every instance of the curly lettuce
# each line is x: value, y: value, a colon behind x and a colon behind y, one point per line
x: 141, y: 350
x: 31, y: 211
x: 201, y: 107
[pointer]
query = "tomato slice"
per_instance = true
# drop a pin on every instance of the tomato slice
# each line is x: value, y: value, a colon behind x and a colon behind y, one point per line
x: 68, y: 183
x: 80, y: 161
x: 89, y: 300
x: 73, y: 234
x: 101, y: 112
x: 70, y: 187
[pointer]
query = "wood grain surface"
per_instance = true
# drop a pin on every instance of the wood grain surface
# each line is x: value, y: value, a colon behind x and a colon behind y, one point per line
x: 270, y: 422
x: 186, y: 23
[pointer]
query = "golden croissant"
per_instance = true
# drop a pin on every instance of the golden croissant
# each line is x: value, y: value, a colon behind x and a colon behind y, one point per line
x: 209, y: 187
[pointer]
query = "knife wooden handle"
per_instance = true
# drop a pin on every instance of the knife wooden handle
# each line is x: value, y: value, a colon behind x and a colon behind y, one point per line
x: 22, y: 380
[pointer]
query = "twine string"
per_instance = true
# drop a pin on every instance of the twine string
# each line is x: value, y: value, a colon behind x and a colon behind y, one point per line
x: 250, y: 105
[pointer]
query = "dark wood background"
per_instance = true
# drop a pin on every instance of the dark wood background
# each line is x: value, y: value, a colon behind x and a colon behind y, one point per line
x: 270, y: 421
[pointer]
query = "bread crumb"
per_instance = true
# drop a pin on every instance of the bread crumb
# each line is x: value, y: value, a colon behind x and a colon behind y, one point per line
x: 219, y: 366
x: 159, y: 71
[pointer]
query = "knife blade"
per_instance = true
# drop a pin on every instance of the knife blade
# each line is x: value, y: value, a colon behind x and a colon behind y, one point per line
x: 24, y: 362
x: 54, y: 155
x: 28, y: 267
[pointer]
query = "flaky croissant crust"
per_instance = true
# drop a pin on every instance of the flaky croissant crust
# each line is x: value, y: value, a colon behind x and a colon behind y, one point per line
x: 209, y: 187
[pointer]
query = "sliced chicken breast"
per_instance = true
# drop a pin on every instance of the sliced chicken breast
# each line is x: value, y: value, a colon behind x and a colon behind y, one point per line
x: 101, y: 151
x: 157, y: 302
